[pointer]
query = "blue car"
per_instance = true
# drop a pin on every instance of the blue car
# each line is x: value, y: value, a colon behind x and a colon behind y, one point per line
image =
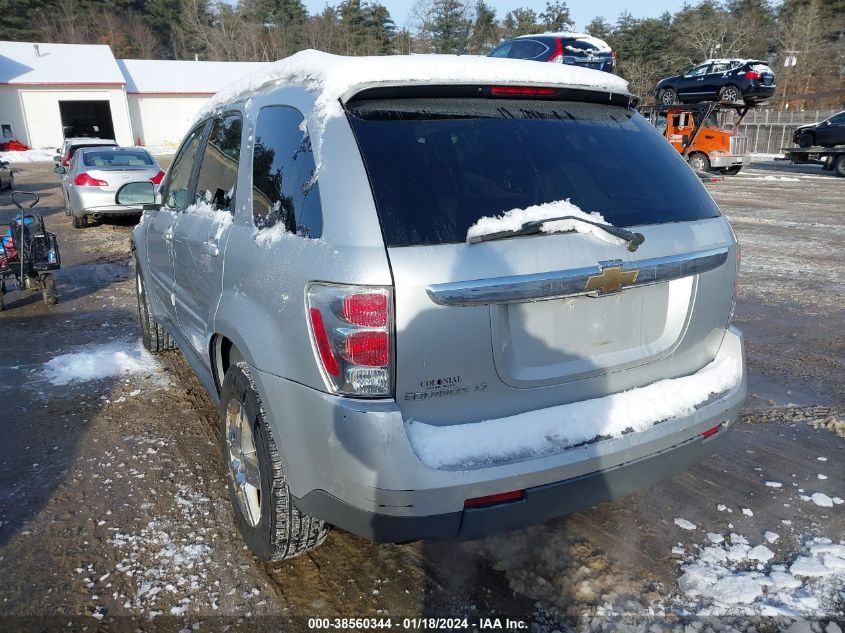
x: 728, y: 80
x: 576, y: 49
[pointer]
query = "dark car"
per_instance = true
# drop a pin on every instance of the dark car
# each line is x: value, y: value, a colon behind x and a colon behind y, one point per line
x: 577, y: 49
x: 828, y: 133
x: 728, y: 80
x: 7, y: 178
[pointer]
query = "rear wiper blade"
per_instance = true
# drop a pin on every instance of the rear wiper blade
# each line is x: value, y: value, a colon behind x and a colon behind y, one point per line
x: 632, y: 240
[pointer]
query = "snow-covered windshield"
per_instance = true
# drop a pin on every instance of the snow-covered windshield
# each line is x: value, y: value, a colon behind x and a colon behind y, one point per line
x: 437, y: 166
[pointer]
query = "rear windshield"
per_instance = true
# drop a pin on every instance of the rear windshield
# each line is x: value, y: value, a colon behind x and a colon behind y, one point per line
x: 579, y: 48
x: 75, y: 148
x: 124, y: 158
x: 438, y: 165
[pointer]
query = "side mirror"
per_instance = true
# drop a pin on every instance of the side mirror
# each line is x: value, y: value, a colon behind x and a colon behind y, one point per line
x: 57, y: 158
x: 137, y: 193
x: 59, y: 169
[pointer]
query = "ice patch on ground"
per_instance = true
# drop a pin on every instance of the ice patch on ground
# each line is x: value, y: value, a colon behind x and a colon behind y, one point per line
x: 684, y: 524
x: 514, y: 219
x: 547, y: 431
x: 731, y: 579
x: 96, y: 362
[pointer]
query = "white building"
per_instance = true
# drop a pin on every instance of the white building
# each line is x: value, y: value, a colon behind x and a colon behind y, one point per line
x: 164, y: 96
x: 48, y: 91
x: 52, y: 91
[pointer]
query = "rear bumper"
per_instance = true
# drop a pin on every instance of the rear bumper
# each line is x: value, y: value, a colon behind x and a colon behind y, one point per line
x: 93, y: 201
x: 758, y: 92
x: 351, y: 463
x: 539, y: 504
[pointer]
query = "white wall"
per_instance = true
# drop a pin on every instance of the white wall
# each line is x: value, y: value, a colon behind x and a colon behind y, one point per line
x: 11, y: 113
x: 163, y: 119
x: 44, y: 121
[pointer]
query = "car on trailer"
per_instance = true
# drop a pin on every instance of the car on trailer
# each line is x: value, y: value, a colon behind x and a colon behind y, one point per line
x: 827, y: 133
x: 748, y: 81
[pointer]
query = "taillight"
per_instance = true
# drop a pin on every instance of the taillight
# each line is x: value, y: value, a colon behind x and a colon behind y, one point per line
x: 523, y: 90
x: 156, y: 180
x: 752, y: 74
x: 352, y: 334
x: 87, y: 181
x: 557, y: 56
x: 613, y: 57
x: 66, y: 162
x: 736, y: 282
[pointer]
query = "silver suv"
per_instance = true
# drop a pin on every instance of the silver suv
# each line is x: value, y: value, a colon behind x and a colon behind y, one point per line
x: 438, y: 297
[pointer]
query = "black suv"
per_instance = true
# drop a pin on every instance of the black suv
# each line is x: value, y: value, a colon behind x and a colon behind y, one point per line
x: 576, y: 49
x: 728, y: 80
x: 829, y: 133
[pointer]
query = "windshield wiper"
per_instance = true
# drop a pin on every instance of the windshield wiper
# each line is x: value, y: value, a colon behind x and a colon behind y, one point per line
x: 632, y: 240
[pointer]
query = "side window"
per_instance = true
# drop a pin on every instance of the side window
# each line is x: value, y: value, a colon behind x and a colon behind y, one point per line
x: 284, y: 188
x: 838, y: 119
x: 698, y: 71
x: 218, y: 172
x: 176, y: 195
x: 527, y: 49
x: 720, y: 68
x: 502, y: 51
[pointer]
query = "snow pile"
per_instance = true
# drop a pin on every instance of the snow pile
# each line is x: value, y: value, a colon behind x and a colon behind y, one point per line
x: 96, y: 362
x: 548, y: 431
x: 514, y: 219
x: 731, y: 579
x: 220, y: 218
x: 335, y: 78
x: 29, y: 156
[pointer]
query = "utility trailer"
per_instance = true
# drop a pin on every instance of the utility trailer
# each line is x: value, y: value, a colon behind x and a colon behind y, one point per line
x: 830, y: 158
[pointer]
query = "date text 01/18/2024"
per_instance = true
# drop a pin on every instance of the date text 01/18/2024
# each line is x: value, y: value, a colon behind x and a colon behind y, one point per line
x: 411, y: 624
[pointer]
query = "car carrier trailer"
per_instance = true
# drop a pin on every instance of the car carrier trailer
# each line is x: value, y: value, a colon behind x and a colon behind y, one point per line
x: 830, y: 158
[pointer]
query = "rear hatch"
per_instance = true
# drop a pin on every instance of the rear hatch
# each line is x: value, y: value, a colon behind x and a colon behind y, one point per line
x: 117, y: 167
x: 767, y: 76
x: 504, y: 326
x: 589, y: 53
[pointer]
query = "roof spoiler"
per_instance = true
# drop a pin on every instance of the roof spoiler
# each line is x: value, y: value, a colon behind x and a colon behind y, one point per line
x: 476, y: 91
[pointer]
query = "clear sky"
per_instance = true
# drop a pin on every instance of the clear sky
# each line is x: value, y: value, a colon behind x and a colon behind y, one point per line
x: 582, y: 10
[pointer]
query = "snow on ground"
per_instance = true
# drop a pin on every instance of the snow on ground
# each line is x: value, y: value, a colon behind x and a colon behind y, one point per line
x: 551, y: 430
x: 96, y: 362
x: 734, y: 578
x: 514, y: 219
x: 335, y: 77
x: 29, y: 156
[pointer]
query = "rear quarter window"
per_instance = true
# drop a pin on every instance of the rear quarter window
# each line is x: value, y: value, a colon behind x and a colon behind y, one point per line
x: 436, y: 166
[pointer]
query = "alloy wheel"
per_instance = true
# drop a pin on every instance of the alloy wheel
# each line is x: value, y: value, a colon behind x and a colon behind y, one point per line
x: 242, y: 459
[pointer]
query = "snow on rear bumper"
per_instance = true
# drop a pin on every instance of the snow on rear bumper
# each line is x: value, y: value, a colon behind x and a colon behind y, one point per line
x: 358, y: 454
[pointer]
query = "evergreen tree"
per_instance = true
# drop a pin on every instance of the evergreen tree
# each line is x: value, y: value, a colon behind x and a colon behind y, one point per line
x: 557, y: 17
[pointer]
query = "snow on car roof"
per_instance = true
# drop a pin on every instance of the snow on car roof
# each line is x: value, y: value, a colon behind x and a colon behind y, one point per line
x: 335, y: 78
x: 584, y: 37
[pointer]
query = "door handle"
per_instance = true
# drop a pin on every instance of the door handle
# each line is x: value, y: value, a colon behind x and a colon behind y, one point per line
x: 211, y: 248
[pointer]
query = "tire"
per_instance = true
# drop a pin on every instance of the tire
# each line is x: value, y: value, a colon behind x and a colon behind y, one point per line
x: 668, y: 96
x: 730, y: 94
x: 79, y: 222
x: 731, y: 171
x: 699, y: 161
x: 839, y: 166
x: 806, y: 140
x: 272, y: 527
x: 48, y: 289
x: 153, y: 336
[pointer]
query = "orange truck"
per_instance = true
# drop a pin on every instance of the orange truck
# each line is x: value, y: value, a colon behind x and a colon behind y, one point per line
x: 694, y: 130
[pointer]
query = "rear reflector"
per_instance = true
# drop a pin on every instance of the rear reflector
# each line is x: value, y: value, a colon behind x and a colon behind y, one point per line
x: 503, y: 497
x: 521, y: 90
x: 323, y: 345
x: 712, y: 431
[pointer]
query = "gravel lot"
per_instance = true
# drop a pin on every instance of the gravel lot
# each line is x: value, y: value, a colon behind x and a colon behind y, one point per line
x: 113, y: 510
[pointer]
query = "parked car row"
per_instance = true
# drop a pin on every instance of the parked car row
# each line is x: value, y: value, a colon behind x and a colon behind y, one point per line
x: 95, y: 172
